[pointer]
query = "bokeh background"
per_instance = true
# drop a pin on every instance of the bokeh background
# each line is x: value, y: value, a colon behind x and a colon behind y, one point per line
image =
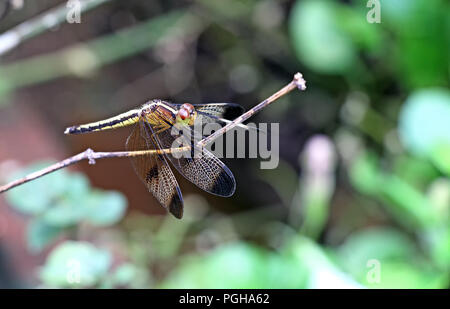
x: 361, y: 197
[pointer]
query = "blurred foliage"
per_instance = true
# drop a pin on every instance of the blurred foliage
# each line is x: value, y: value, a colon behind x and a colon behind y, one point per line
x: 59, y: 202
x: 75, y: 264
x: 362, y: 190
x: 238, y: 265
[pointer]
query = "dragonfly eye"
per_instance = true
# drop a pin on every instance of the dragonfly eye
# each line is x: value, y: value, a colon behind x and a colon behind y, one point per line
x: 183, y: 113
x: 188, y: 107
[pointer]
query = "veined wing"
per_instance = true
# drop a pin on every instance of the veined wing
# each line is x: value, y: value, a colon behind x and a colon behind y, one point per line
x: 216, y: 111
x: 154, y: 171
x: 221, y: 113
x: 228, y: 111
x: 197, y: 165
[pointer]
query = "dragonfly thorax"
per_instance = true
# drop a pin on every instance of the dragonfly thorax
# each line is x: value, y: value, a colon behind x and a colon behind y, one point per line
x: 150, y: 107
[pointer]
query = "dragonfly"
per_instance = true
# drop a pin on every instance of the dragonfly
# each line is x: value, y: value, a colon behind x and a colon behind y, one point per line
x: 153, y: 130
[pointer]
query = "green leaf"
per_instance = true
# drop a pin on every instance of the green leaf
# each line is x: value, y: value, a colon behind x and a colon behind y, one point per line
x: 365, y: 174
x: 34, y: 197
x: 440, y: 156
x: 420, y: 31
x: 414, y: 170
x: 394, y: 275
x: 424, y: 121
x: 400, y: 263
x: 54, y: 196
x: 437, y: 241
x: 124, y: 275
x: 375, y: 243
x: 318, y: 40
x: 322, y: 272
x: 75, y: 264
x: 105, y: 208
x: 237, y: 265
x: 40, y: 234
x: 65, y: 213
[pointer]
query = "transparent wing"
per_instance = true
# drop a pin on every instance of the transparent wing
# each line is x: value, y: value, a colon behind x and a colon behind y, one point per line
x: 154, y: 171
x: 221, y: 113
x: 199, y: 166
x: 216, y: 111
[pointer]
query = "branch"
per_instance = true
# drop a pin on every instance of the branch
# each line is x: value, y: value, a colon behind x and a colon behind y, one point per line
x: 37, y: 25
x: 91, y: 156
x: 81, y: 59
x: 297, y: 82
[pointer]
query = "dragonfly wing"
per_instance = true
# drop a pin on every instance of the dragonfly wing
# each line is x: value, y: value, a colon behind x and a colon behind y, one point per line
x: 228, y: 111
x: 154, y: 170
x: 200, y: 167
x: 217, y: 110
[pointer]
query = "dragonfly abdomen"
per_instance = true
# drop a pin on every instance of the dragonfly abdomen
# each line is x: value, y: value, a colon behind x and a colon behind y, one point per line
x: 121, y: 120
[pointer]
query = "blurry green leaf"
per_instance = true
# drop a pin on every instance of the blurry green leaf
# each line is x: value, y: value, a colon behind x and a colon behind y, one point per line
x: 439, y: 195
x: 353, y: 20
x: 374, y: 243
x: 420, y: 29
x: 364, y: 173
x: 318, y: 39
x: 322, y: 272
x: 407, y: 204
x: 440, y: 156
x: 401, y: 265
x: 70, y: 208
x: 105, y: 208
x: 63, y: 199
x: 414, y: 71
x: 35, y: 197
x: 39, y: 234
x: 406, y: 276
x: 124, y: 275
x: 437, y: 242
x: 397, y: 13
x: 237, y: 265
x: 415, y: 171
x: 424, y: 121
x: 75, y: 264
x: 66, y: 212
x: 315, y: 212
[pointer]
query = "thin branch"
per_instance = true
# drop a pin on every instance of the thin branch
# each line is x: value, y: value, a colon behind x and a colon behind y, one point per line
x: 82, y: 59
x: 297, y: 82
x: 37, y: 25
x: 91, y: 156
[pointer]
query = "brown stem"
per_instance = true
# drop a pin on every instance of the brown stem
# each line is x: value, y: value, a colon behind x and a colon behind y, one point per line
x: 297, y: 82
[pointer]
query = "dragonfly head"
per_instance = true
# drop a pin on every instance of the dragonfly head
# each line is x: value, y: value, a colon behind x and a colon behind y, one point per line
x: 186, y: 114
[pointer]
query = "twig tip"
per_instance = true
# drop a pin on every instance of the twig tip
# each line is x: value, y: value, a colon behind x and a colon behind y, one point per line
x: 300, y: 81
